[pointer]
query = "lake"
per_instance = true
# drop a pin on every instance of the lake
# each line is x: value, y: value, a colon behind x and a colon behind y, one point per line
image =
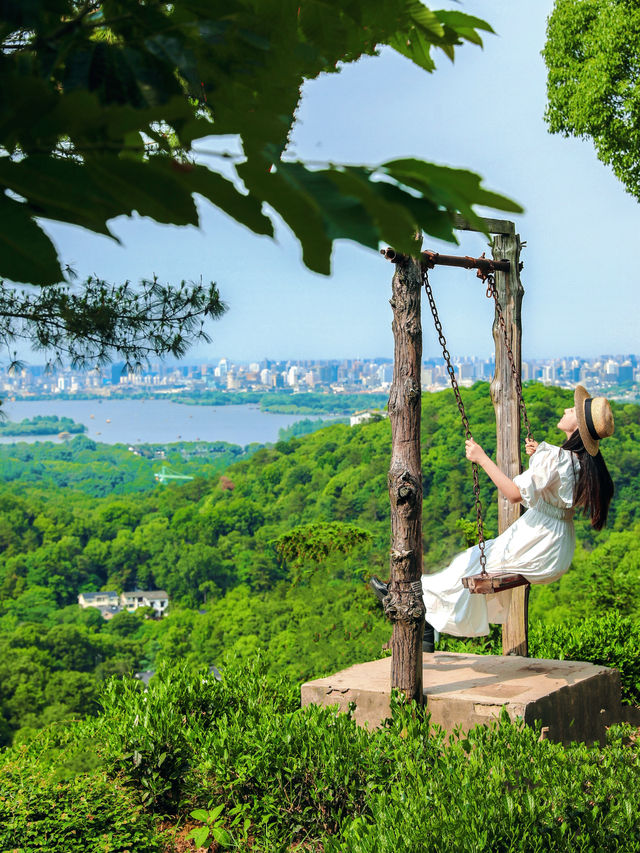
x: 154, y: 421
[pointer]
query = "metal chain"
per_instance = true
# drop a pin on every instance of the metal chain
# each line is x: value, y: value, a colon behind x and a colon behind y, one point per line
x: 492, y: 292
x: 463, y: 415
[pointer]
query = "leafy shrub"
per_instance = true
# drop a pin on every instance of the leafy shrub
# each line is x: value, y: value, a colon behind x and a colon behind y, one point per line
x: 143, y: 733
x: 55, y: 797
x: 244, y: 742
x: 608, y: 640
x: 262, y: 775
x: 311, y: 776
x: 149, y: 736
x: 502, y: 790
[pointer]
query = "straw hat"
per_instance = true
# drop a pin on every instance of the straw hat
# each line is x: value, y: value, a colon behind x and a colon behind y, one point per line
x: 595, y: 419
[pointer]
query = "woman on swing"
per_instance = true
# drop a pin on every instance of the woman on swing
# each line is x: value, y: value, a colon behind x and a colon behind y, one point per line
x: 539, y: 545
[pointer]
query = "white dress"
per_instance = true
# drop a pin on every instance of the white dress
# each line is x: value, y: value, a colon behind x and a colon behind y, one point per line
x: 539, y: 545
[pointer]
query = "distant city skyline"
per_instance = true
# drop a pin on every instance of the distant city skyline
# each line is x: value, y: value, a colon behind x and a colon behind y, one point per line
x: 619, y: 373
x: 210, y: 359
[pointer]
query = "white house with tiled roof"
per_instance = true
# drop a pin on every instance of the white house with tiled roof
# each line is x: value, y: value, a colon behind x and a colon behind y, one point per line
x: 98, y: 599
x: 158, y: 599
x: 110, y: 603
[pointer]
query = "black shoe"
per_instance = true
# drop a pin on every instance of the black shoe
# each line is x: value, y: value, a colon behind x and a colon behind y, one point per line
x: 380, y: 588
x: 428, y: 639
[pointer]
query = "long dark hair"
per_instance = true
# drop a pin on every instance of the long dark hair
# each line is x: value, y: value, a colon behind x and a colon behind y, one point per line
x: 594, y: 487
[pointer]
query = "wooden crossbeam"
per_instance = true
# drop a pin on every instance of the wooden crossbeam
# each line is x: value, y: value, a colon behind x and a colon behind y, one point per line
x: 493, y: 226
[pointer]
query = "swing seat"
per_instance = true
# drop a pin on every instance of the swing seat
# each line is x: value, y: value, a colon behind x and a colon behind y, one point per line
x: 495, y: 582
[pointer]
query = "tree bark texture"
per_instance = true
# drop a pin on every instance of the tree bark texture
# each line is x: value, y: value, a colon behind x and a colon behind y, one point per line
x: 505, y: 402
x: 404, y: 604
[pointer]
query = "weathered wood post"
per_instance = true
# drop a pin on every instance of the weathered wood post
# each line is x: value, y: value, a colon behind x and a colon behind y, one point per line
x: 404, y: 604
x: 505, y: 402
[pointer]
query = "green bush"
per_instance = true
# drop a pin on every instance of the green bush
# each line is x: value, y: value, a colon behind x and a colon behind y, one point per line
x: 501, y: 790
x: 55, y: 798
x: 150, y: 738
x: 608, y: 640
x: 268, y: 777
x: 143, y: 733
x: 311, y: 776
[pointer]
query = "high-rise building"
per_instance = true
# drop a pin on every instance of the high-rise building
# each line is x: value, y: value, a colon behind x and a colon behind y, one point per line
x: 611, y: 367
x: 117, y: 370
x: 625, y: 372
x: 293, y: 375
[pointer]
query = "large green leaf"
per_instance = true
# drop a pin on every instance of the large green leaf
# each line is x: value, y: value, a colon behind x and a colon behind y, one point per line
x: 389, y: 204
x: 154, y: 188
x: 466, y: 26
x: 199, y: 835
x: 343, y: 213
x: 429, y: 217
x: 447, y: 186
x: 245, y: 209
x: 26, y: 253
x: 297, y: 207
x: 393, y: 222
x: 102, y: 188
x: 59, y: 189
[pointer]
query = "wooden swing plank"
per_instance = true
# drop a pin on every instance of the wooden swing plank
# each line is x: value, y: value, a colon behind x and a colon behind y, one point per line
x: 489, y: 584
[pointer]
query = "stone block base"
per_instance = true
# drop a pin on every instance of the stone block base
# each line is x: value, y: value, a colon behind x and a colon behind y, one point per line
x: 574, y: 701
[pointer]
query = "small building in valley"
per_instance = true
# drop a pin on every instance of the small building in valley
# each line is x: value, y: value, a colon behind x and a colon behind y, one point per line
x: 367, y: 415
x: 157, y: 599
x: 110, y: 603
x: 98, y: 599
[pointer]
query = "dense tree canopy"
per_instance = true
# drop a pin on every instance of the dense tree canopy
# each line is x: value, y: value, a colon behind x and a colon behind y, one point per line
x: 274, y: 553
x: 593, y: 61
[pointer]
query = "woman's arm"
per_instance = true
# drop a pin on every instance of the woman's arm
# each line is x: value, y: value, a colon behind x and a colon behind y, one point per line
x: 508, y: 488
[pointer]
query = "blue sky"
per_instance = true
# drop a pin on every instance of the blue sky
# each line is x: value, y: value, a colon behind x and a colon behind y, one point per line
x: 485, y: 112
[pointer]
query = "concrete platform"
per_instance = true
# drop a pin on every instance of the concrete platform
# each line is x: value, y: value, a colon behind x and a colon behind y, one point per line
x: 573, y: 700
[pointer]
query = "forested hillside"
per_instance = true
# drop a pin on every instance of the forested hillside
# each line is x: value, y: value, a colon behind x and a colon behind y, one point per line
x: 83, y: 516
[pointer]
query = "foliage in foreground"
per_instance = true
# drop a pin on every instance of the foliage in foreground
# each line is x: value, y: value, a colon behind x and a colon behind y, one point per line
x: 103, y: 102
x: 56, y: 797
x: 285, y: 776
x: 591, y: 54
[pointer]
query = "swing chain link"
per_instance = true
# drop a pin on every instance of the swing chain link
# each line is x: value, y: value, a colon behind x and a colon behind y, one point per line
x: 463, y: 415
x: 492, y: 292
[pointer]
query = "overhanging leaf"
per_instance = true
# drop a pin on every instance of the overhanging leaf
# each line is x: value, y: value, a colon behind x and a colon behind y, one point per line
x: 446, y: 185
x: 152, y: 188
x: 60, y: 189
x: 297, y: 207
x: 26, y: 253
x: 393, y: 222
x: 245, y: 209
x: 101, y: 87
x: 430, y: 218
x: 343, y: 213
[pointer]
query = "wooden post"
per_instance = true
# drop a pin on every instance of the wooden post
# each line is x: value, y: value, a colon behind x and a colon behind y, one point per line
x: 505, y: 402
x: 404, y: 604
